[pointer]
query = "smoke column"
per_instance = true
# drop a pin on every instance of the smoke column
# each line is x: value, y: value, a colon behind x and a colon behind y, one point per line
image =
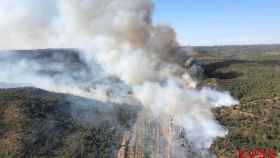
x: 118, y: 35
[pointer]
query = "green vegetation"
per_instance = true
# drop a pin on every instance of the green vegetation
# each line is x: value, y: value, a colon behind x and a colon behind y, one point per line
x: 255, y: 80
x: 38, y: 124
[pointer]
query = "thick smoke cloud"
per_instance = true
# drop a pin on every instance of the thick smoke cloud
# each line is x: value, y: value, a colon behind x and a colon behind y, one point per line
x: 120, y: 37
x: 25, y: 24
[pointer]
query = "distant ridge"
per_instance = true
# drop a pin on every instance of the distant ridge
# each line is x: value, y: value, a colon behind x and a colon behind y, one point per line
x: 259, y: 48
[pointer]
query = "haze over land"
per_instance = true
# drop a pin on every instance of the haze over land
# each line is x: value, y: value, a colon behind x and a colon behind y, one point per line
x: 119, y: 58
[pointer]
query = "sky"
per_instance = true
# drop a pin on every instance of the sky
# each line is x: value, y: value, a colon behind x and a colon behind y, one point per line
x: 221, y: 22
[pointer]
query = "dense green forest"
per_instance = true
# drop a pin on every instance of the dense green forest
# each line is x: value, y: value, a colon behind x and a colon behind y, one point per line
x: 253, y: 78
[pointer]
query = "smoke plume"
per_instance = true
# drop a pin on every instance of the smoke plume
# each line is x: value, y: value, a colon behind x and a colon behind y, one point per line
x: 117, y: 39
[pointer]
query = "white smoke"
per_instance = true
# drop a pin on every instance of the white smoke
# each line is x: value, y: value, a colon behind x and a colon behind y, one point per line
x: 190, y: 109
x: 118, y: 35
x: 25, y: 24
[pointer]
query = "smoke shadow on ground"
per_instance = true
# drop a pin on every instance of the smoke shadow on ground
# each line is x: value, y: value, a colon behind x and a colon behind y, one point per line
x: 212, y: 69
x: 224, y: 75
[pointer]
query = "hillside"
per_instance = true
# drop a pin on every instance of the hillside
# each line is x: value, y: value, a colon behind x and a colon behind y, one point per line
x: 238, y: 49
x: 253, y: 78
x: 36, y: 123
